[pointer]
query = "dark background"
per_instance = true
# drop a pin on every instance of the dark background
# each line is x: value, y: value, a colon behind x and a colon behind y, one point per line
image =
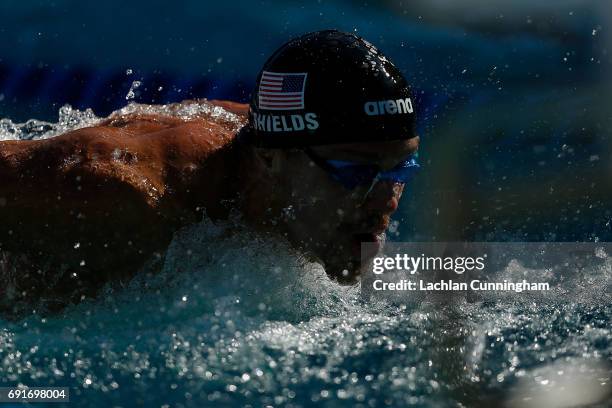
x: 513, y: 96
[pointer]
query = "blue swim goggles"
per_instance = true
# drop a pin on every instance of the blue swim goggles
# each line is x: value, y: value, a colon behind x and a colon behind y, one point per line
x: 351, y: 174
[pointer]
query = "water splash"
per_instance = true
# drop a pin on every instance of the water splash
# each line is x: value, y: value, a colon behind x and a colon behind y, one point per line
x: 233, y: 317
x: 33, y: 129
x: 70, y: 118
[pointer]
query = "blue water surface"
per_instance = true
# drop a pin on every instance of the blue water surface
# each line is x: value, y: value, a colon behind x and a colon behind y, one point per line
x: 240, y: 319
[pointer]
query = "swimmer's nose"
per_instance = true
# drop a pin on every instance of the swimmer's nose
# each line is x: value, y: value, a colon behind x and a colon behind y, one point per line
x: 384, y: 197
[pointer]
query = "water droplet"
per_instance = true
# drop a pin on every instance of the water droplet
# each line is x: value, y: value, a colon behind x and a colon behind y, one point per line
x: 132, y: 92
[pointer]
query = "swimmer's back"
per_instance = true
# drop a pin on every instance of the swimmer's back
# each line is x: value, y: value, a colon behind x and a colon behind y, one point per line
x: 108, y: 197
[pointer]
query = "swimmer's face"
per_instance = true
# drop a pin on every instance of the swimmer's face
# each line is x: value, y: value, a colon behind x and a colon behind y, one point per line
x: 332, y: 221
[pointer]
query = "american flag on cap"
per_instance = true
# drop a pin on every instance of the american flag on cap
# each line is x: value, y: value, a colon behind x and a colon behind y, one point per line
x: 281, y: 91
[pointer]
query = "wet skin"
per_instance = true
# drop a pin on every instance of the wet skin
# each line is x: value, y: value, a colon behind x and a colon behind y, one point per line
x: 93, y: 205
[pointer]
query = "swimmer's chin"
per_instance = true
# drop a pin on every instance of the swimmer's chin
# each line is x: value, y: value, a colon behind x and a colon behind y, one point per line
x: 346, y: 268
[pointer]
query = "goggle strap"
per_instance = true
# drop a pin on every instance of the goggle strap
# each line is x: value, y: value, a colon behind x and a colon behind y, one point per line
x: 374, y: 181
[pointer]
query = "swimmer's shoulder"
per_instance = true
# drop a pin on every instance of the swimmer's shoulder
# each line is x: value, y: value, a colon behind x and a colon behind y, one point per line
x: 208, y: 120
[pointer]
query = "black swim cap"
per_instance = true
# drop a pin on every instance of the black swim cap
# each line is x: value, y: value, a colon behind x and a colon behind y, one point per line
x: 329, y: 87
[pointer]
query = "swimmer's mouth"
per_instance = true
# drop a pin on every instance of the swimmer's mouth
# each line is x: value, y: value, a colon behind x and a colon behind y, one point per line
x: 372, y: 231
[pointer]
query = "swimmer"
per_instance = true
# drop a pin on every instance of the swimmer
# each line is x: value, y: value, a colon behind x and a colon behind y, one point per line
x: 326, y: 149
